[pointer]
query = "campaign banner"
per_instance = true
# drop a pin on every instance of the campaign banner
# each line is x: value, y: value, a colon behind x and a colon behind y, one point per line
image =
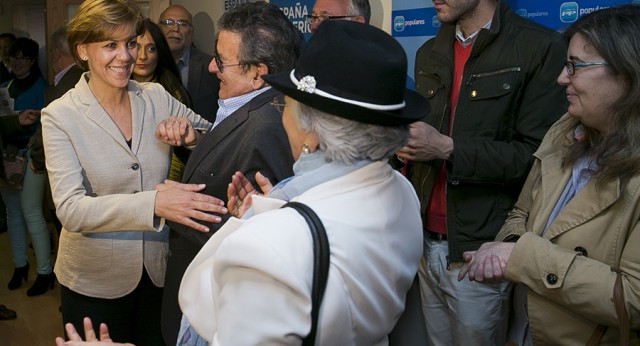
x: 296, y: 11
x: 413, y: 22
x: 559, y: 14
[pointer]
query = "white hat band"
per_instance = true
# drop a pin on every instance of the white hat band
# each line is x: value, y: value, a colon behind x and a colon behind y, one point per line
x: 308, y: 84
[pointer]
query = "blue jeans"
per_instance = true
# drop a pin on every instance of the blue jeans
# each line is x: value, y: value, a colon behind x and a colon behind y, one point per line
x: 460, y: 313
x: 24, y: 212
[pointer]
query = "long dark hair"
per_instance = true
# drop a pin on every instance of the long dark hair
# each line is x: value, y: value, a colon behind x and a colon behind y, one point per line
x: 613, y: 34
x: 166, y: 72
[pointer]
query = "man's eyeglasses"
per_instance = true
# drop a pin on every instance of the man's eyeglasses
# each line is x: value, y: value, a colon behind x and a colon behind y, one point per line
x: 572, y: 66
x: 181, y: 23
x: 279, y: 106
x: 220, y: 65
x: 310, y: 18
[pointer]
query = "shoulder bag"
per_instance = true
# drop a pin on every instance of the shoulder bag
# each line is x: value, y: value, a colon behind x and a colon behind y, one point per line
x: 320, y: 264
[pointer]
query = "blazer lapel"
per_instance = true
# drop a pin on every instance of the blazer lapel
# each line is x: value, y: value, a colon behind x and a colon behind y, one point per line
x: 195, y: 72
x: 97, y: 114
x: 137, y: 118
x: 223, y: 130
x: 212, y: 138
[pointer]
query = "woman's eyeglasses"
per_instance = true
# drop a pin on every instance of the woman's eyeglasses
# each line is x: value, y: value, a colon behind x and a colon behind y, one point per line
x: 20, y: 58
x: 572, y: 66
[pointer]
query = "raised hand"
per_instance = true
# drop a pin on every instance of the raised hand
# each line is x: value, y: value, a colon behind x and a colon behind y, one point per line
x: 240, y: 190
x: 91, y: 340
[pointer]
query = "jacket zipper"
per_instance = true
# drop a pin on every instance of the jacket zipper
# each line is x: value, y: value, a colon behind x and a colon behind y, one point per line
x: 493, y: 73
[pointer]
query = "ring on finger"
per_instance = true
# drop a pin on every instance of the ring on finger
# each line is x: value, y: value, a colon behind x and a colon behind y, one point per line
x: 238, y: 203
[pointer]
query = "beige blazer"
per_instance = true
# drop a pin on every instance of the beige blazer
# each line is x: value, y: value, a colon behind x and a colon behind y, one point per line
x: 104, y: 191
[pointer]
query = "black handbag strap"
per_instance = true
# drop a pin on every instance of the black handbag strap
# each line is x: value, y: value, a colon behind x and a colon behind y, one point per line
x: 320, y: 264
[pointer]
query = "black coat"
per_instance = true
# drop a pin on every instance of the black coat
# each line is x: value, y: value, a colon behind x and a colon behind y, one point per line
x: 508, y: 100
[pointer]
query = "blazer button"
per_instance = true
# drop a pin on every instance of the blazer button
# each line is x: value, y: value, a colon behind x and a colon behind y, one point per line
x: 582, y: 251
x: 135, y: 166
x: 552, y: 279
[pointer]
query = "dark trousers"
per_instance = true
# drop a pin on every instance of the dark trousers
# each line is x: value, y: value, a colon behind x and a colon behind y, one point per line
x: 134, y: 318
x: 182, y: 251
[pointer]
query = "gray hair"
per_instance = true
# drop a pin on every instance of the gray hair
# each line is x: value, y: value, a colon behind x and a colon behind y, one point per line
x: 347, y: 141
x: 360, y: 8
x: 59, y: 41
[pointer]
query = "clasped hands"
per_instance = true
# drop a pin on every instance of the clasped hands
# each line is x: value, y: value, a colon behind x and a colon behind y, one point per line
x: 488, y: 264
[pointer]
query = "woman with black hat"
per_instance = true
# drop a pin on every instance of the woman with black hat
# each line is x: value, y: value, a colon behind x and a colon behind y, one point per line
x: 346, y: 112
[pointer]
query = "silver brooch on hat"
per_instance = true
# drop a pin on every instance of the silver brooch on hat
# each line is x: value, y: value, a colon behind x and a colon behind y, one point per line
x: 307, y: 84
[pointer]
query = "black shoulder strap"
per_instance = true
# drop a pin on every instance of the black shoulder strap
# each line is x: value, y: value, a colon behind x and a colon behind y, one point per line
x: 320, y: 264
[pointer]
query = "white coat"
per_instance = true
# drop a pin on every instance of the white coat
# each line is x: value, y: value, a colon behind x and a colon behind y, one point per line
x: 251, y: 283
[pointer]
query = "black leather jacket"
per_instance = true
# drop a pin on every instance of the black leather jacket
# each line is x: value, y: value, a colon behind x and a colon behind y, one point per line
x: 508, y: 100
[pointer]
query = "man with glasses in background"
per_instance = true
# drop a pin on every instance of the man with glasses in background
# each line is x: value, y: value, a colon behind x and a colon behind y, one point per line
x: 354, y: 10
x: 247, y: 136
x: 177, y: 25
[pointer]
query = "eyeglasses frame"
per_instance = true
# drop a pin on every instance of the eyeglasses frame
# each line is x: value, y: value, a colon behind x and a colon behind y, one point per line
x: 310, y: 18
x: 222, y: 66
x: 571, y: 66
x: 180, y: 23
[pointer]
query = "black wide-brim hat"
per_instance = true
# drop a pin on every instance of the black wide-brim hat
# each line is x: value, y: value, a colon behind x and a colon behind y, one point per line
x: 355, y: 71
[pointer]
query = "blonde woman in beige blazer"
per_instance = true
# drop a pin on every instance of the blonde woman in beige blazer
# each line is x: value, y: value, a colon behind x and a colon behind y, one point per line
x: 104, y: 157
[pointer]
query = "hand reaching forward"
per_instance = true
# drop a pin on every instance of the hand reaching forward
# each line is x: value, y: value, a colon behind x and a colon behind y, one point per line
x: 425, y: 144
x: 76, y: 340
x: 488, y: 264
x: 240, y: 190
x: 177, y: 131
x: 183, y: 204
x: 28, y: 117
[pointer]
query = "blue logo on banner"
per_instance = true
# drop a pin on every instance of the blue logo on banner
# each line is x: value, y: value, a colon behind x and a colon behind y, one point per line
x: 398, y: 24
x: 568, y: 12
x: 522, y: 12
x: 415, y: 22
x: 435, y: 22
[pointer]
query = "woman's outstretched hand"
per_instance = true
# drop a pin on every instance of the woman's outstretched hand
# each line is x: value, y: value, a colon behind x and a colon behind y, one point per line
x: 183, y: 204
x: 240, y: 190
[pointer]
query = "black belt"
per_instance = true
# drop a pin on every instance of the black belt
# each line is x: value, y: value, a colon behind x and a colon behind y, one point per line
x: 435, y: 236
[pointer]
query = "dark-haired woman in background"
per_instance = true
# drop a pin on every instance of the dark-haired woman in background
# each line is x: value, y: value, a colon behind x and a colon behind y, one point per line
x: 24, y: 207
x: 155, y: 64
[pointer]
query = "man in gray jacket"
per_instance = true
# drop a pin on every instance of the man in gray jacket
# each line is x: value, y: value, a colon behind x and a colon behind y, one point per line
x: 490, y: 77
